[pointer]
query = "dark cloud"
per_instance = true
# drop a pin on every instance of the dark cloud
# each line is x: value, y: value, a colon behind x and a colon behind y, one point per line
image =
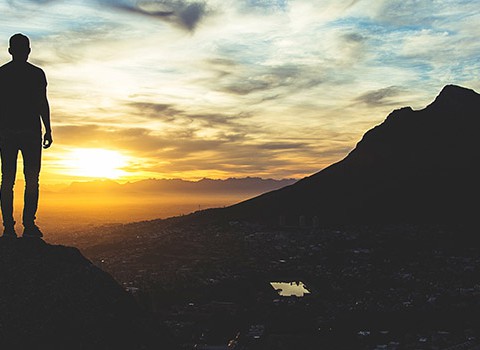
x: 221, y: 67
x: 248, y: 86
x: 215, y: 119
x: 158, y: 111
x: 278, y: 146
x: 186, y: 14
x: 221, y: 62
x: 226, y: 124
x: 380, y: 97
x: 354, y: 37
x: 241, y: 79
x: 192, y: 14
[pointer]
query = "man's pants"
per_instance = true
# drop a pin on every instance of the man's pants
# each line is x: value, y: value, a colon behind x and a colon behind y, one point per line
x: 30, y: 144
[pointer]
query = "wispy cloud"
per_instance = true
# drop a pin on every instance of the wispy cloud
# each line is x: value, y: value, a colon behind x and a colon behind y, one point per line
x: 185, y: 151
x: 381, y: 96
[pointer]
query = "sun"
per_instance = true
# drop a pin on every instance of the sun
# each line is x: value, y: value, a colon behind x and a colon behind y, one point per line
x: 95, y: 163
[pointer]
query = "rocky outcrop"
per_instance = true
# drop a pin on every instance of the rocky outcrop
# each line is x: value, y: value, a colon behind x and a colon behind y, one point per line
x: 51, y: 297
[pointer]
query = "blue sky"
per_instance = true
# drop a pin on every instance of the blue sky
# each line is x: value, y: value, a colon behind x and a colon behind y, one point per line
x: 271, y: 88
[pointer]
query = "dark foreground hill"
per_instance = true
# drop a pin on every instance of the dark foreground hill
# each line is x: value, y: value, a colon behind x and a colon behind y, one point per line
x: 417, y: 166
x: 51, y: 297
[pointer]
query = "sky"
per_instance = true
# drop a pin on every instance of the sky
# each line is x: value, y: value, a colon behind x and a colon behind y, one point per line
x: 233, y: 88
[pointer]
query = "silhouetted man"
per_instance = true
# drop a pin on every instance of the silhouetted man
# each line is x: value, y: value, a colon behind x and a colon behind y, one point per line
x: 23, y: 105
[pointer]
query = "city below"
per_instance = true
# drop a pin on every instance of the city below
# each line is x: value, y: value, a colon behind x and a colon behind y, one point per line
x: 362, y: 286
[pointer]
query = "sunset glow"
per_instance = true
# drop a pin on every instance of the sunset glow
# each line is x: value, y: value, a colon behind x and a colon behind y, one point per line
x: 222, y: 88
x: 95, y: 163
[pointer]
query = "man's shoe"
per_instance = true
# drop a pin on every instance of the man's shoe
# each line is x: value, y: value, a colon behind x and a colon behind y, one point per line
x: 32, y: 232
x: 9, y: 232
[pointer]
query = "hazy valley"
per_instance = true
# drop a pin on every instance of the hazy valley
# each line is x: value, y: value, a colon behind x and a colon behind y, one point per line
x: 82, y: 205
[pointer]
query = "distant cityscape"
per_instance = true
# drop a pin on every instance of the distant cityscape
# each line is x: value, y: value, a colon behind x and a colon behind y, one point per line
x: 370, y: 287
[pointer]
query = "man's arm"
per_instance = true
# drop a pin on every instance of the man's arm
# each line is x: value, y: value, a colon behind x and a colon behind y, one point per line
x: 45, y: 115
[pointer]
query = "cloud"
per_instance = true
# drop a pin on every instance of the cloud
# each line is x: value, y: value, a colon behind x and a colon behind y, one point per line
x: 279, y: 146
x: 182, y: 13
x: 380, y: 97
x: 226, y: 124
x: 353, y: 38
x: 185, y: 14
x: 267, y: 6
x: 270, y: 81
x: 424, y: 14
x: 158, y: 111
x: 175, y: 151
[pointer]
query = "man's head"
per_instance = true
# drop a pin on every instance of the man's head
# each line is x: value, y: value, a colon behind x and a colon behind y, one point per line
x: 19, y: 47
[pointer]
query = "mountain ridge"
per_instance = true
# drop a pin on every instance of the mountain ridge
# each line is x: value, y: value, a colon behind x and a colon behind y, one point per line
x: 205, y: 185
x: 417, y: 165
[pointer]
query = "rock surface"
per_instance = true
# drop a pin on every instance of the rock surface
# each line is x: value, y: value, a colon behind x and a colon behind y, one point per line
x: 51, y: 297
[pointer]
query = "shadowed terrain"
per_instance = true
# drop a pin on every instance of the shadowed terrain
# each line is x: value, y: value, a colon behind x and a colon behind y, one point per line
x: 51, y: 297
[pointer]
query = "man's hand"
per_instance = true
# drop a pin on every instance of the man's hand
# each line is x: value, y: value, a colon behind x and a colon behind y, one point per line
x: 47, y: 140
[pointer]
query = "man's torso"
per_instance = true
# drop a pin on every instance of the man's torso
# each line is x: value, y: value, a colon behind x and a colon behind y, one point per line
x: 22, y: 88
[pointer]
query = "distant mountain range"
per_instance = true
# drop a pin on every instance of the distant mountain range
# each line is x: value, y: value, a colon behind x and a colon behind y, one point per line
x: 247, y: 185
x: 416, y: 166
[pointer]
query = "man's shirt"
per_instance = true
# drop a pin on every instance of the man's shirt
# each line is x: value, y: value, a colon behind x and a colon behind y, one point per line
x: 22, y: 92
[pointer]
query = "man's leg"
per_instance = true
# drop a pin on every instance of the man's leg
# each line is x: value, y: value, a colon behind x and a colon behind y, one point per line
x: 9, y: 153
x: 32, y: 154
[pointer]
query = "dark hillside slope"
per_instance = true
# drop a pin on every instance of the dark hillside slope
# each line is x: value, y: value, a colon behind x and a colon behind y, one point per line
x: 417, y: 166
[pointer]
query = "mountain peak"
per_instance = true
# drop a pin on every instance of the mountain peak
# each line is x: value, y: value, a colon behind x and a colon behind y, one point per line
x: 454, y: 89
x: 417, y: 166
x: 454, y: 96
